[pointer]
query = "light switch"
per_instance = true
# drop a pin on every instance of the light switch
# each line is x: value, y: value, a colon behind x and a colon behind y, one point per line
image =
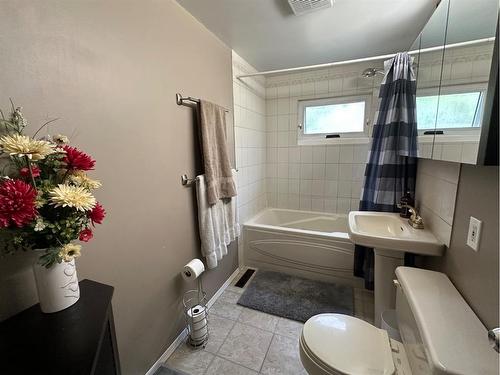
x: 474, y: 235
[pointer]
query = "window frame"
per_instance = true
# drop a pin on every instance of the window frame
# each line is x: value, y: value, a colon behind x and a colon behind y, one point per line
x: 455, y: 134
x: 344, y: 137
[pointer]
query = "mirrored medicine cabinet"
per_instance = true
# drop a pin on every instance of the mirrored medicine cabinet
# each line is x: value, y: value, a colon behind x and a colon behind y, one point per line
x: 456, y: 66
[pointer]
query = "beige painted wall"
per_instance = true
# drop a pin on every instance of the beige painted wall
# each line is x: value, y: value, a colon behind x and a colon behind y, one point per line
x: 110, y: 70
x: 475, y: 274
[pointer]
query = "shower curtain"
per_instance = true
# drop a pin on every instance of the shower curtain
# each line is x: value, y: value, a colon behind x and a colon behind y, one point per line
x: 391, y: 167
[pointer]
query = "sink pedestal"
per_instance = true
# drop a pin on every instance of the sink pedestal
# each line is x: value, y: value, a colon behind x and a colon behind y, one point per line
x: 386, y: 262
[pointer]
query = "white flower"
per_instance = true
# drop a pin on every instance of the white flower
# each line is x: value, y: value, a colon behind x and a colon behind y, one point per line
x: 79, y: 178
x: 60, y: 139
x: 18, y: 118
x: 40, y: 225
x: 72, y: 196
x: 22, y: 145
x: 70, y: 251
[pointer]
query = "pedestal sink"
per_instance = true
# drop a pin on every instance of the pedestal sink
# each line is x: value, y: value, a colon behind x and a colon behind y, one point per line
x: 391, y: 236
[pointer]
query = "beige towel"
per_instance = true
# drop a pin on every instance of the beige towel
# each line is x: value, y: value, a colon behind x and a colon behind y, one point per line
x: 218, y: 175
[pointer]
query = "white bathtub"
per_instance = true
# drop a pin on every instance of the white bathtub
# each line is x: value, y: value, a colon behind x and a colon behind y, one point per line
x: 310, y: 244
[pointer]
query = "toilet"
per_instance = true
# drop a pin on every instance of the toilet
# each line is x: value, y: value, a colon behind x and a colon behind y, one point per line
x: 440, y: 335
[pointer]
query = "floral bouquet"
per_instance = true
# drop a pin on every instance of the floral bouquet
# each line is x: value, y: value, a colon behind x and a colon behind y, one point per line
x: 46, y: 199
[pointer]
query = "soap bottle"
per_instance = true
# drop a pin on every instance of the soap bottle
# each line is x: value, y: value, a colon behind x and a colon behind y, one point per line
x: 406, y: 199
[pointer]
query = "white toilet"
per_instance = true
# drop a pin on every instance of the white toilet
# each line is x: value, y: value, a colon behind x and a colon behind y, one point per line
x: 440, y: 334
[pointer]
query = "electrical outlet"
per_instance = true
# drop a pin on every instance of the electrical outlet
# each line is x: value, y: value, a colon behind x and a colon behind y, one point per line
x: 474, y: 235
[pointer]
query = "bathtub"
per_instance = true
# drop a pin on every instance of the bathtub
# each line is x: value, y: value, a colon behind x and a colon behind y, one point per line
x: 310, y: 244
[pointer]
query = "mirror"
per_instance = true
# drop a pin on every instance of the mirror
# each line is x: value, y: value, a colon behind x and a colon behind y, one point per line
x: 455, y: 56
x: 429, y: 62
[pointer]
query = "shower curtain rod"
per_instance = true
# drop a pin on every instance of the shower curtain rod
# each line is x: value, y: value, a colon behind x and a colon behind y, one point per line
x: 380, y: 57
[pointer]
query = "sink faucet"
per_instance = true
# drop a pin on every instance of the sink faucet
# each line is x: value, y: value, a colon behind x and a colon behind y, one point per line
x: 415, y: 219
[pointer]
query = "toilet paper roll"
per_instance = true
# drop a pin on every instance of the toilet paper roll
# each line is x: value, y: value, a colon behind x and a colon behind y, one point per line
x: 193, y: 269
x: 198, y: 322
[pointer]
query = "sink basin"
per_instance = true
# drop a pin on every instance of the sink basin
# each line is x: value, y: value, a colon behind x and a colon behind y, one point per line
x: 383, y: 230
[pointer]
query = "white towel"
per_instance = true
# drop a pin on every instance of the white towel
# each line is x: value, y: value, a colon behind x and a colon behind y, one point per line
x: 218, y: 223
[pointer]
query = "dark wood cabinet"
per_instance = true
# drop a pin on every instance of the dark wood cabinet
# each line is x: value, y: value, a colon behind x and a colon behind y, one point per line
x: 80, y: 340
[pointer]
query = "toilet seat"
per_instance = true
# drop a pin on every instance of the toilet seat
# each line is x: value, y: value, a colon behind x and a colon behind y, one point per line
x: 336, y: 344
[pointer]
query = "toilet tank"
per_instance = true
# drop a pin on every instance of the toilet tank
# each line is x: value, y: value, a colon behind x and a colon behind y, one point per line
x: 440, y: 332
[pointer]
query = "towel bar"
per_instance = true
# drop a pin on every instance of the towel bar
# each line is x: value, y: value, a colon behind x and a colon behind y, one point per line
x: 189, y: 101
x: 186, y: 181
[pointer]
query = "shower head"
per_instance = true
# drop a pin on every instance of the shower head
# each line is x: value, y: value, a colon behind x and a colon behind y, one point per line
x: 371, y: 72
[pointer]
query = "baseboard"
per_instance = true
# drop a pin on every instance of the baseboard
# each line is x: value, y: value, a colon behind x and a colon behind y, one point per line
x: 182, y: 336
x: 170, y: 350
x: 223, y: 287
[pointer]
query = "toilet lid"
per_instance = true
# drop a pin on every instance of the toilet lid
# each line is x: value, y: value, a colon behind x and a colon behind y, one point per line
x: 348, y: 345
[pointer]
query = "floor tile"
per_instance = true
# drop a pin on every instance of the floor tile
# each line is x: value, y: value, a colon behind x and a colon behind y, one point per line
x: 186, y: 359
x: 364, y: 305
x: 283, y: 357
x: 258, y: 319
x: 225, y: 306
x: 218, y: 329
x: 364, y: 294
x: 358, y: 308
x: 221, y: 366
x: 289, y: 328
x: 235, y: 289
x: 167, y: 370
x: 246, y: 346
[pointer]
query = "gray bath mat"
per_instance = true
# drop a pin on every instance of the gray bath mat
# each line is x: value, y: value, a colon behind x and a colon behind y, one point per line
x: 296, y: 298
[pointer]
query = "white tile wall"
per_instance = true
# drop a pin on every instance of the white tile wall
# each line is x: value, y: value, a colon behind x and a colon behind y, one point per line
x: 436, y: 192
x: 275, y: 171
x: 319, y: 178
x: 250, y: 134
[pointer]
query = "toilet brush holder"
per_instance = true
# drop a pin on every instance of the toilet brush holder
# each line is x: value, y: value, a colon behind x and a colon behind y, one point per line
x: 195, y: 310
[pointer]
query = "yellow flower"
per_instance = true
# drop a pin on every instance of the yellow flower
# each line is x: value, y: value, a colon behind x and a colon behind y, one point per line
x: 79, y: 178
x: 72, y: 196
x: 70, y: 251
x: 21, y: 145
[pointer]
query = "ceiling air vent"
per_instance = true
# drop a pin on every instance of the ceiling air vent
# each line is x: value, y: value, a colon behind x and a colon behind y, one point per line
x: 300, y: 7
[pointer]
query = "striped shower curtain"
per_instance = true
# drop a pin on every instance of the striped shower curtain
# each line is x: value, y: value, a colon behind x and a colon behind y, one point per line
x: 391, y: 167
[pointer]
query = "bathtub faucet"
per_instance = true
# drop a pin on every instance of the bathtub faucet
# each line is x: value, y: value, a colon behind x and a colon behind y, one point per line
x: 415, y: 219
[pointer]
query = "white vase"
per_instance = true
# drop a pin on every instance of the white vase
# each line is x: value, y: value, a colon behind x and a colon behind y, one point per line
x: 57, y: 286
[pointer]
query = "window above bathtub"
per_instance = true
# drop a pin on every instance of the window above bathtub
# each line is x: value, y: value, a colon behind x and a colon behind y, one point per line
x: 334, y: 120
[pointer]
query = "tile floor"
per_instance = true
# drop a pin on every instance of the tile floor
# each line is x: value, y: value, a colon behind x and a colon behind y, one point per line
x: 248, y: 342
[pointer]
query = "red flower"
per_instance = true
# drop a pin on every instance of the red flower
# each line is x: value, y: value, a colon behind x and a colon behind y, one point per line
x: 17, y: 203
x: 25, y: 172
x: 77, y: 160
x: 97, y: 214
x: 86, y: 235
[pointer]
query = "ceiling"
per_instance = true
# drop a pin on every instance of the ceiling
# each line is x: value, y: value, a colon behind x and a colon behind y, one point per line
x: 268, y: 35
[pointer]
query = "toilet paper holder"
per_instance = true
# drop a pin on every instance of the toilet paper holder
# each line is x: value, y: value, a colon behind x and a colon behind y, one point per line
x: 196, y: 314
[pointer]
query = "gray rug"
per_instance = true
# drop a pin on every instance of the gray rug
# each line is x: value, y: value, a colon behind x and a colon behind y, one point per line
x: 296, y: 298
